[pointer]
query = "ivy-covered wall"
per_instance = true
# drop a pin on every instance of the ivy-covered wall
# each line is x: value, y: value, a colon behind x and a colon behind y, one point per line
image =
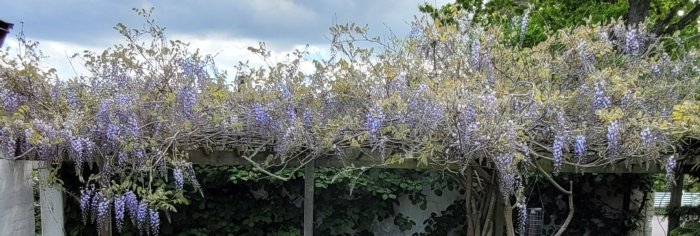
x: 238, y: 201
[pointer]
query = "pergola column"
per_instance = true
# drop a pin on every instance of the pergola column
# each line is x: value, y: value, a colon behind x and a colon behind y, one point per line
x: 16, y: 197
x: 309, y: 199
x: 51, y: 201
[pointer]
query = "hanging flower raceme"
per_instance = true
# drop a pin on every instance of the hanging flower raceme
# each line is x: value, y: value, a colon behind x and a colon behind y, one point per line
x: 580, y: 148
x: 557, y: 151
x: 375, y: 119
x: 614, y: 138
x: 119, y: 203
x: 671, y: 172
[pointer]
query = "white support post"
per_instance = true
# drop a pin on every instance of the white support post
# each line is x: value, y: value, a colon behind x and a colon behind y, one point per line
x: 16, y: 198
x: 51, y: 200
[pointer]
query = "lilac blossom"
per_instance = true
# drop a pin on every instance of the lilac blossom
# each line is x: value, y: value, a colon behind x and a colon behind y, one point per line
x: 375, y: 118
x: 648, y: 139
x: 261, y: 115
x: 523, y: 24
x: 561, y: 121
x: 119, y: 202
x: 307, y: 117
x: 522, y: 217
x: 614, y: 129
x: 291, y: 114
x: 580, y: 148
x: 154, y: 221
x: 476, y: 55
x: 179, y: 178
x: 416, y: 32
x: 141, y: 215
x: 131, y: 203
x: 557, y: 151
x: 85, y: 199
x: 11, y: 101
x: 600, y: 99
x: 632, y: 43
x: 102, y: 214
x: 191, y: 176
x: 507, y: 178
x: 284, y: 91
x: 490, y: 102
x: 187, y: 97
x: 670, y: 171
x: 655, y: 69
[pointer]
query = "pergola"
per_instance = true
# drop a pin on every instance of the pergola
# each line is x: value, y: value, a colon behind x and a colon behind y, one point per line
x: 468, y: 96
x: 18, y: 206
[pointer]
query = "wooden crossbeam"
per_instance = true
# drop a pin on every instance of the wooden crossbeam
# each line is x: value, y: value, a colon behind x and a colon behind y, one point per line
x: 227, y: 158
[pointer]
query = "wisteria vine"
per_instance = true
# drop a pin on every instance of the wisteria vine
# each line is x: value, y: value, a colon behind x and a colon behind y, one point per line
x: 444, y: 95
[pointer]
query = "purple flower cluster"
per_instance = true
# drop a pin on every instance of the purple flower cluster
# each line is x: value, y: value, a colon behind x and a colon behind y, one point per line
x: 260, y: 114
x: 523, y: 24
x: 416, y: 32
x: 187, y: 97
x: 561, y: 121
x: 375, y: 118
x: 522, y: 217
x: 614, y: 129
x: 580, y: 148
x: 85, y: 200
x: 600, y: 99
x: 399, y: 84
x: 179, y: 178
x: 131, y: 203
x: 670, y: 171
x: 119, y: 202
x: 490, y: 103
x: 476, y: 55
x: 154, y: 221
x: 284, y: 91
x: 102, y: 214
x: 191, y: 176
x: 655, y: 69
x: 648, y: 139
x: 121, y: 159
x: 557, y: 151
x: 507, y: 178
x: 632, y: 43
x: 586, y: 59
x: 308, y: 118
x: 11, y: 101
x: 141, y: 215
x: 291, y: 114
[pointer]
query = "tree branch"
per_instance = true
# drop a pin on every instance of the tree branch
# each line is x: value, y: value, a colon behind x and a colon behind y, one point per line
x: 549, y: 178
x: 571, y: 211
x: 683, y: 22
x: 662, y: 24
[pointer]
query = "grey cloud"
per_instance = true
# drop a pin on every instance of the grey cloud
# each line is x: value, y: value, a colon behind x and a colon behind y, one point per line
x: 283, y: 22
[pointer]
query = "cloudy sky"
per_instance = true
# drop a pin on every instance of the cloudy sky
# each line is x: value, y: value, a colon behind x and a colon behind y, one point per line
x: 226, y: 27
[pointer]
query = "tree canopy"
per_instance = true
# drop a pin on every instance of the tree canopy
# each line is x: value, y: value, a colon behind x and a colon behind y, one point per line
x: 545, y: 17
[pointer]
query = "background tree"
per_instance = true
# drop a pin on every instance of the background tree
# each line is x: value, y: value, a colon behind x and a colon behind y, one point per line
x: 544, y: 17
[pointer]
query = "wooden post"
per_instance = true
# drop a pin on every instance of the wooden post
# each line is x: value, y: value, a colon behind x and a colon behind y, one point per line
x: 676, y: 197
x: 309, y: 199
x: 499, y: 222
x: 51, y: 201
x: 16, y: 198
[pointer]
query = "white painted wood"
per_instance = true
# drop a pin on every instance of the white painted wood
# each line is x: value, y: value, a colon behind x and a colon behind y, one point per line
x: 51, y: 200
x: 16, y: 198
